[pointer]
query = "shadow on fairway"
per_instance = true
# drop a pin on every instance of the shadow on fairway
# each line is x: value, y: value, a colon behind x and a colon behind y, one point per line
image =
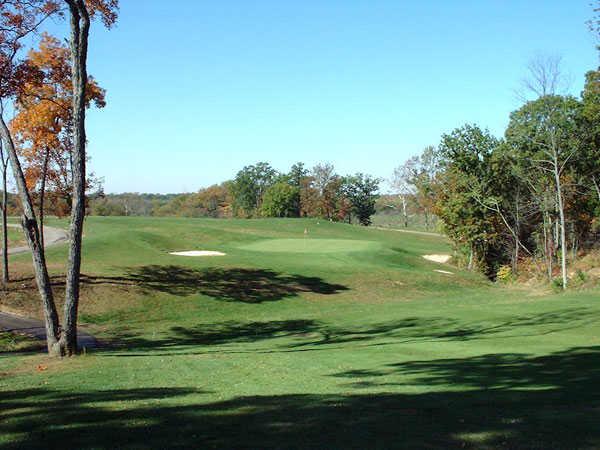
x: 227, y: 284
x: 507, y: 401
x: 189, y: 340
x: 308, y: 335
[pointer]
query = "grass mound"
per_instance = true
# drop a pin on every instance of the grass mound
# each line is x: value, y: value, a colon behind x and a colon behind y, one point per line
x: 312, y: 246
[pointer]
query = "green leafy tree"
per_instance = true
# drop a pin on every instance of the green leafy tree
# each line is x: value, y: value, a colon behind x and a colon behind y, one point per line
x: 297, y: 174
x: 281, y: 200
x: 296, y: 177
x: 249, y: 186
x: 465, y: 153
x: 590, y: 130
x: 362, y: 192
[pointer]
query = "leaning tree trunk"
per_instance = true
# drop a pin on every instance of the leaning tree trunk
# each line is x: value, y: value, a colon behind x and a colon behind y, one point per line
x: 596, y: 186
x: 515, y: 266
x: 5, y: 274
x: 32, y: 235
x: 42, y: 194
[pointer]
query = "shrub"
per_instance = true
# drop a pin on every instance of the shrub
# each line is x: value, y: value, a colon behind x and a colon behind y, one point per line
x: 557, y: 283
x: 504, y: 274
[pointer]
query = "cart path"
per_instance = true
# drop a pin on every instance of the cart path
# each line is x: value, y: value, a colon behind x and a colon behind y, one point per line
x: 35, y: 328
x: 424, y: 233
x: 52, y: 236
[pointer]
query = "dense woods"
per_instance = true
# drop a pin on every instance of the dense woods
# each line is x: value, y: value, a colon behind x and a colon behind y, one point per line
x: 529, y: 197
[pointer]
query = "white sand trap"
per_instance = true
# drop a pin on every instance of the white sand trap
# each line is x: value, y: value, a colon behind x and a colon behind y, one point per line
x: 443, y: 271
x: 443, y: 259
x: 198, y: 253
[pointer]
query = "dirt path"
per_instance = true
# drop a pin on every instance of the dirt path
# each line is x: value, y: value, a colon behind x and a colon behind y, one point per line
x: 35, y: 328
x: 52, y: 236
x: 425, y: 233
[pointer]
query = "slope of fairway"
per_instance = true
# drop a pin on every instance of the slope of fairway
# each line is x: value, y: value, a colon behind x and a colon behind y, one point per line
x: 311, y: 246
x: 282, y: 349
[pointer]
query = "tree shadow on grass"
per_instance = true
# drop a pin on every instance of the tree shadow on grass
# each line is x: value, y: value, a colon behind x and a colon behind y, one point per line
x: 200, y: 336
x: 496, y: 401
x: 444, y: 329
x: 226, y: 284
x: 309, y: 335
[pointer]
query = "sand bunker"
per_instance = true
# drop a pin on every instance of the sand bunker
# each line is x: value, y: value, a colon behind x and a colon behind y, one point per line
x: 443, y: 271
x: 438, y: 258
x: 198, y: 253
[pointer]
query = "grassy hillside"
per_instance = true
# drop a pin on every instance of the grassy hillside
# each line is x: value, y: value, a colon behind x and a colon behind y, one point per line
x: 307, y: 334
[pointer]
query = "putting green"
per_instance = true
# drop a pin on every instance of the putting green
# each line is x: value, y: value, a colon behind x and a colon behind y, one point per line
x: 312, y: 246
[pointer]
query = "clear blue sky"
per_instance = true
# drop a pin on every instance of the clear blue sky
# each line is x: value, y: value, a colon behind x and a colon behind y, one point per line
x: 198, y: 89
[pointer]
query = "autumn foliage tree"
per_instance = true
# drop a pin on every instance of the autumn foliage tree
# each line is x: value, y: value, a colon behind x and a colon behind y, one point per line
x: 43, y: 124
x: 20, y: 19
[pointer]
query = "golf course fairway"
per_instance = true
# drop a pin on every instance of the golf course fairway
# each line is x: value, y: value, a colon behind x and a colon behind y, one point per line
x: 307, y: 245
x: 353, y: 341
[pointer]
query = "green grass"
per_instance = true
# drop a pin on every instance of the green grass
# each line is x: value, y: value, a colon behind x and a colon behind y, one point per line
x: 10, y: 342
x: 315, y: 246
x: 15, y: 237
x: 267, y: 348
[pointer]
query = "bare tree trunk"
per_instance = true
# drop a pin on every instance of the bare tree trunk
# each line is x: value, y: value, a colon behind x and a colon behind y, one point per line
x: 597, y: 186
x: 470, y: 264
x: 30, y: 228
x: 5, y: 274
x: 556, y: 240
x: 574, y: 243
x: 547, y: 245
x: 517, y: 234
x: 561, y: 213
x: 42, y: 194
x: 80, y: 25
x: 404, y: 212
x: 516, y: 256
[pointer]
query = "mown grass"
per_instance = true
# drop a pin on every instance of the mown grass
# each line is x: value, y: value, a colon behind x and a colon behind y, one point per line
x: 15, y: 237
x: 11, y: 342
x: 263, y: 349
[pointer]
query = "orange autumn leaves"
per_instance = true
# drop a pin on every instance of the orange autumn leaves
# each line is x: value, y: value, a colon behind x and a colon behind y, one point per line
x: 44, y: 115
x: 41, y: 84
x: 106, y: 9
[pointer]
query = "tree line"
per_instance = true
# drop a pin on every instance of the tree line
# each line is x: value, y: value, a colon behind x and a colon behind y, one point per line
x: 532, y: 194
x: 259, y: 190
